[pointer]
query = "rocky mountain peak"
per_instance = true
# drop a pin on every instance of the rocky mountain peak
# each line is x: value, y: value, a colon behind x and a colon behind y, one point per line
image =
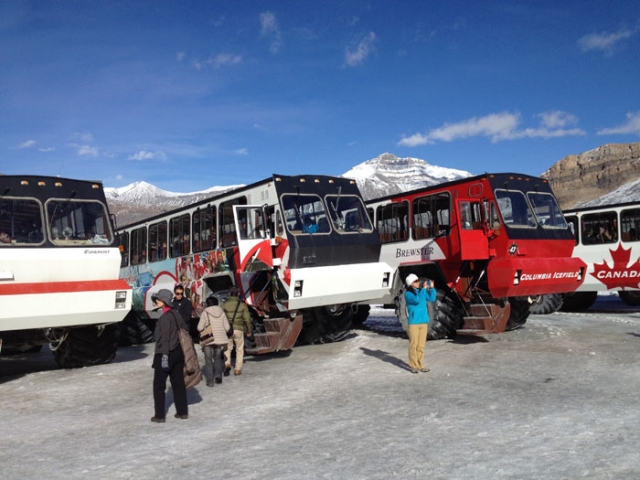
x: 578, y: 179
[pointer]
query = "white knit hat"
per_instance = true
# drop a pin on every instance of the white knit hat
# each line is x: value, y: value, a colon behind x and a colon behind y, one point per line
x: 412, y: 277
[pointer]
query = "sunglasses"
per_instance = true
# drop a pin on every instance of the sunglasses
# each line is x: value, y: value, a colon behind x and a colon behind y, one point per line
x: 178, y: 294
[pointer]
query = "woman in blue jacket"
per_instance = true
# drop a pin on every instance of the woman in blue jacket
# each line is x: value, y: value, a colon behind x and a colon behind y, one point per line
x: 416, y: 298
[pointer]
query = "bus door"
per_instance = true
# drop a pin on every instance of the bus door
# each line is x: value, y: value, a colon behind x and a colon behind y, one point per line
x: 474, y: 244
x: 254, y: 244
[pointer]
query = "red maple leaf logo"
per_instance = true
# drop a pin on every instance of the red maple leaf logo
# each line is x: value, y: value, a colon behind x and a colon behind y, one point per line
x: 620, y: 275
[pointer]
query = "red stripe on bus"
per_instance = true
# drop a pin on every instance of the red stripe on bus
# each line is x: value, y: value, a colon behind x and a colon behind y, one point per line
x: 62, y: 287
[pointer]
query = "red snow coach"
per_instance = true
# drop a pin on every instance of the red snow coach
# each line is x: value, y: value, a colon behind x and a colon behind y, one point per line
x: 494, y: 244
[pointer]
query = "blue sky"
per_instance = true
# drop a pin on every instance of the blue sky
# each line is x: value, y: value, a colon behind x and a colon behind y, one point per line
x: 188, y: 95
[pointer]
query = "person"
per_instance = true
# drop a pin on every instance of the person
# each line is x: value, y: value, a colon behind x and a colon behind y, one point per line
x: 238, y: 314
x: 309, y: 225
x: 213, y: 327
x: 604, y: 236
x: 168, y: 360
x: 416, y: 298
x: 183, y: 305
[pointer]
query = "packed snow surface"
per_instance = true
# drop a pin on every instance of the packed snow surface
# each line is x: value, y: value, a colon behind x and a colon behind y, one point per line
x: 555, y: 399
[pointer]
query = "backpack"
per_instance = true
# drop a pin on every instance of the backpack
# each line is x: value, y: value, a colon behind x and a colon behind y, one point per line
x: 191, y: 372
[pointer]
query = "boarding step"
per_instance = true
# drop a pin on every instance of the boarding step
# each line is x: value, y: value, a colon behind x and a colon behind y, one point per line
x: 280, y: 334
x: 484, y: 319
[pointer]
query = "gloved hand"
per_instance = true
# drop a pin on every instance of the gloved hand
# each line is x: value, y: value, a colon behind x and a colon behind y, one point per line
x: 165, y: 363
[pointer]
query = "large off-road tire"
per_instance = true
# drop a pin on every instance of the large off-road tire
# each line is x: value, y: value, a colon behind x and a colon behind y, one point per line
x: 87, y: 346
x: 630, y: 297
x: 360, y: 316
x: 134, y: 331
x: 545, y: 304
x: 577, y: 301
x: 520, y: 310
x: 325, y: 325
x: 446, y: 316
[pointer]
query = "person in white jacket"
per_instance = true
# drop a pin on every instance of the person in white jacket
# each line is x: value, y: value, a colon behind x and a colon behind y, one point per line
x: 214, y: 329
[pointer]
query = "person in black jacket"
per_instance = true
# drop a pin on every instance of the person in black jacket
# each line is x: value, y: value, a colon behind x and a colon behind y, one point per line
x: 168, y: 360
x: 183, y: 305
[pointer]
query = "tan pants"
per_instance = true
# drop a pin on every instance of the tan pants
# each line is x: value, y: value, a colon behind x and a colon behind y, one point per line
x: 238, y: 339
x: 417, y: 341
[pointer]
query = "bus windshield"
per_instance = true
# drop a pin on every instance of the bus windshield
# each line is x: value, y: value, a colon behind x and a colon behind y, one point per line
x: 515, y: 209
x: 348, y: 213
x: 73, y: 222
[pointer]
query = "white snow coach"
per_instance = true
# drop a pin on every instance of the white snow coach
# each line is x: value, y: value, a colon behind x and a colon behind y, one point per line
x: 301, y: 249
x: 59, y: 269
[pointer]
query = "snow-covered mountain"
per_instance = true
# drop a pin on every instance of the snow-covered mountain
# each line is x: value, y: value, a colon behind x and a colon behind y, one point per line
x: 377, y: 177
x: 388, y: 174
x: 141, y: 200
x: 629, y: 192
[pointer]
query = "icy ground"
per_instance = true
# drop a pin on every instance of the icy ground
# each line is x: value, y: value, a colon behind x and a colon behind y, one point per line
x: 557, y: 399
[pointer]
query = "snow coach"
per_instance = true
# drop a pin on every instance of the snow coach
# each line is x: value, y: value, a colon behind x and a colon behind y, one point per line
x: 606, y: 239
x: 494, y: 244
x: 59, y: 274
x: 301, y: 250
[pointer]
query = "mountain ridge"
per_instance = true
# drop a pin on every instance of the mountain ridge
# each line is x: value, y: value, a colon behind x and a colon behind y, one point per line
x: 608, y: 174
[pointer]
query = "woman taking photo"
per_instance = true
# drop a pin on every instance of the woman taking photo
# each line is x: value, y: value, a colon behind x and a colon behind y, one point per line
x: 416, y: 298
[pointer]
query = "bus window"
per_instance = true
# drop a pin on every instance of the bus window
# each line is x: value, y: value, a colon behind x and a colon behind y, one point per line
x: 491, y: 214
x: 157, y: 241
x: 180, y: 235
x: 348, y: 214
x: 122, y: 240
x: 428, y: 221
x: 139, y: 246
x: 20, y: 222
x: 599, y: 228
x: 515, y: 209
x: 204, y: 229
x: 572, y: 221
x: 630, y: 224
x: 73, y: 222
x: 392, y: 222
x: 547, y: 210
x: 305, y: 214
x: 227, y: 224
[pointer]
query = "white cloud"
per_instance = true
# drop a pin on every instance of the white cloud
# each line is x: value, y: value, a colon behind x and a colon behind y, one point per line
x: 27, y: 144
x: 217, y: 61
x: 497, y: 127
x: 119, y: 177
x: 631, y: 126
x: 180, y: 56
x: 47, y: 149
x: 604, y: 42
x: 86, y: 150
x: 354, y: 57
x: 269, y: 28
x: 226, y: 59
x: 242, y: 151
x: 82, y: 137
x: 143, y: 155
x: 557, y: 119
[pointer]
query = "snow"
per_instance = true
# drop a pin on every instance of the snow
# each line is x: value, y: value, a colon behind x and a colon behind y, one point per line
x: 556, y: 399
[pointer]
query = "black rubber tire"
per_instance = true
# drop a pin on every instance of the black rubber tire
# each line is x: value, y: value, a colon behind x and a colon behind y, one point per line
x: 446, y: 316
x: 545, y: 304
x: 520, y: 310
x: 630, y: 297
x: 134, y: 331
x: 578, y: 301
x: 320, y: 325
x: 360, y: 316
x: 87, y: 346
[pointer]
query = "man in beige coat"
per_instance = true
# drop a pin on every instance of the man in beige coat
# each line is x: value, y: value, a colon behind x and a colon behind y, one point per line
x: 214, y: 329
